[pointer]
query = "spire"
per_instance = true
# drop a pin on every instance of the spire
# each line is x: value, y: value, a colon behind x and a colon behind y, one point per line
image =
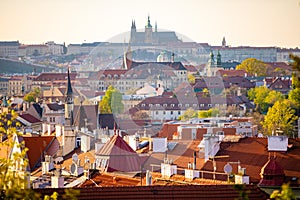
x: 148, y: 23
x: 219, y: 62
x: 69, y: 91
x: 223, y: 43
x: 211, y: 60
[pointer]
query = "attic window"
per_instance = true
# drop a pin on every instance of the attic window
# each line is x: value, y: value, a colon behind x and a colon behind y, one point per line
x: 172, y: 105
x: 165, y: 105
x: 150, y: 105
x: 143, y: 105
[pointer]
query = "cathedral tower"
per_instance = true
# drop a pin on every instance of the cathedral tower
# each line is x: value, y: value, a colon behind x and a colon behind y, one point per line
x: 133, y: 32
x: 148, y: 31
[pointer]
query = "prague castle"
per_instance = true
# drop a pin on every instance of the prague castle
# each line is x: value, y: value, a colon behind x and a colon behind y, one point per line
x: 151, y: 37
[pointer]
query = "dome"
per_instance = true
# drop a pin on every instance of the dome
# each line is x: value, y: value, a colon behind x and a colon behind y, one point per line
x: 162, y: 57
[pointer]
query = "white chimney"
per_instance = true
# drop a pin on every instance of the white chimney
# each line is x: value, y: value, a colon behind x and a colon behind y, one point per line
x: 57, y: 182
x: 85, y: 143
x: 167, y: 170
x: 148, y: 178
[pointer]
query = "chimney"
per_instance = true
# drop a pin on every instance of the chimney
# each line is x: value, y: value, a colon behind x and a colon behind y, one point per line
x: 172, y: 57
x: 57, y: 181
x: 148, y: 178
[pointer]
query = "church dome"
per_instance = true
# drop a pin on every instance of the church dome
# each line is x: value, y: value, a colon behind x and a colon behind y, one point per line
x: 162, y: 57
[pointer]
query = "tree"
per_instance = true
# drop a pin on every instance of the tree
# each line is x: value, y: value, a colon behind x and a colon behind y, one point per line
x: 273, y: 96
x: 286, y: 193
x: 296, y: 74
x: 258, y: 96
x: 13, y: 166
x: 253, y: 66
x: 212, y: 112
x: 294, y: 97
x: 280, y: 117
x: 191, y: 79
x: 188, y: 114
x: 111, y: 102
x: 31, y: 96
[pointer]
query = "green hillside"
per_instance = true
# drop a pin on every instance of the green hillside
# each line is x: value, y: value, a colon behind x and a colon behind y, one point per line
x: 12, y: 67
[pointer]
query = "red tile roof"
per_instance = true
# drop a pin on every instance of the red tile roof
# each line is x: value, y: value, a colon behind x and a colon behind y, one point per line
x: 37, y: 148
x: 211, y: 192
x: 253, y: 155
x: 121, y: 157
x: 30, y: 118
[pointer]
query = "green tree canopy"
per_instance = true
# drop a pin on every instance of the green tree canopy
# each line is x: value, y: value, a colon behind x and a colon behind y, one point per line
x: 191, y: 79
x: 253, y: 66
x: 294, y: 97
x: 280, y: 117
x: 111, y: 102
x: 31, y: 96
x: 212, y: 112
x: 258, y: 96
x: 190, y: 113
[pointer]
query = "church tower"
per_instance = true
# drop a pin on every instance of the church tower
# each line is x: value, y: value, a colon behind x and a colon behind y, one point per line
x: 69, y: 103
x: 133, y: 32
x: 219, y: 61
x: 148, y: 31
x: 211, y: 67
x: 68, y: 139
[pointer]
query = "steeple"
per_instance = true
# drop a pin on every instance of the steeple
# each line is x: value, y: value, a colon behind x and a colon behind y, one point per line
x: 148, y: 25
x: 219, y: 62
x: 69, y: 104
x: 69, y: 91
x: 223, y: 43
x: 211, y: 61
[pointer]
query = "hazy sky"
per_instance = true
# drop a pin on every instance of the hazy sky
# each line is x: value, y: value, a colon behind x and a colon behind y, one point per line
x: 242, y: 22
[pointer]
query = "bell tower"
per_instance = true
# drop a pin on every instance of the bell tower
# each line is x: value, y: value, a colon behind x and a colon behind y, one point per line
x: 148, y: 31
x: 68, y: 138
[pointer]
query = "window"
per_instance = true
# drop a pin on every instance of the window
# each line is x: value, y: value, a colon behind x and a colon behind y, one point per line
x: 171, y: 112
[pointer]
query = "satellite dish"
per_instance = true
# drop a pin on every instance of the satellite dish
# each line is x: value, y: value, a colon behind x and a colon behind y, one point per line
x: 75, y: 157
x: 58, y: 160
x: 73, y: 168
x: 227, y: 168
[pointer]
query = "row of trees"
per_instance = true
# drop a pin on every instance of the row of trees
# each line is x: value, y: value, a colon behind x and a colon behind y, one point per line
x: 277, y: 112
x: 190, y: 113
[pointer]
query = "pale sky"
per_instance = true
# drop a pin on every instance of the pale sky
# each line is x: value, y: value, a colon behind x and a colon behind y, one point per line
x: 242, y: 22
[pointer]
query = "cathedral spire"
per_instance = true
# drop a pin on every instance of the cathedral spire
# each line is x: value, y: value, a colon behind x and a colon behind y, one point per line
x: 69, y: 104
x: 148, y: 23
x: 69, y: 91
x: 219, y: 62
